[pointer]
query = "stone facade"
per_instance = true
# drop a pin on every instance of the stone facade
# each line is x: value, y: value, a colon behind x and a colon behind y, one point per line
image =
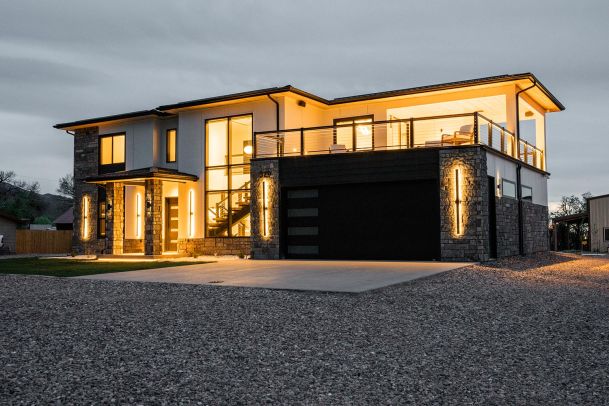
x: 86, y: 159
x: 472, y: 242
x: 214, y: 246
x: 133, y: 246
x: 153, y: 238
x: 115, y: 218
x: 535, y: 227
x: 507, y: 226
x: 265, y: 247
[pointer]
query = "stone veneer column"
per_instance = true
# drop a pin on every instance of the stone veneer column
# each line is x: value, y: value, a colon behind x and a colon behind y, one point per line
x: 115, y: 217
x: 265, y: 247
x: 153, y: 239
x: 86, y: 158
x: 473, y: 242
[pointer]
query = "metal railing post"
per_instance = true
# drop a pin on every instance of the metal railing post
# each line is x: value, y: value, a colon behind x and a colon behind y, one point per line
x: 490, y: 133
x: 476, y: 136
x: 411, y: 135
x: 301, y: 141
x: 502, y: 141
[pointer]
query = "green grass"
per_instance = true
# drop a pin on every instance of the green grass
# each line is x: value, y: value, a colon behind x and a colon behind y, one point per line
x: 79, y: 267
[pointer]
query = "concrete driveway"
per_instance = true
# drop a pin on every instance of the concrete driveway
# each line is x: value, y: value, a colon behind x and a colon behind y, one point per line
x: 330, y: 276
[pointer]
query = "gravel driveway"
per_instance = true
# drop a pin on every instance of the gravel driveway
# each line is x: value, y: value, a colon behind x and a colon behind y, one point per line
x: 508, y: 333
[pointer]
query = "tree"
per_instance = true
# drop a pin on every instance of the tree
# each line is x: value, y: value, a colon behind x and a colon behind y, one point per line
x: 574, y: 232
x: 66, y: 186
x: 19, y: 198
x: 42, y: 220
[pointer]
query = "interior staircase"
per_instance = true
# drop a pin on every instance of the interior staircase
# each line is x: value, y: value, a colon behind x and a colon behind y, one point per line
x: 220, y: 211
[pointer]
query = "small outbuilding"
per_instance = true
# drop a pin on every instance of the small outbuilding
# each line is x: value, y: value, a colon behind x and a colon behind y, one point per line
x: 598, y: 212
x: 65, y: 220
x: 8, y: 233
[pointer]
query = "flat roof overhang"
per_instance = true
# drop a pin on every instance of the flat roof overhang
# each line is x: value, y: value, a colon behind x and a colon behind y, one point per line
x: 138, y: 176
x: 522, y: 80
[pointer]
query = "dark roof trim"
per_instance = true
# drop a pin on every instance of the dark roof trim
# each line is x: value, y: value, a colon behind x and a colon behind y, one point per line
x: 144, y: 173
x: 162, y: 110
x: 134, y: 114
x: 598, y: 197
x: 570, y: 217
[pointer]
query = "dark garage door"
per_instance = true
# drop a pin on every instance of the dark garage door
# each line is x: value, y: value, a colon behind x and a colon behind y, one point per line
x: 393, y: 220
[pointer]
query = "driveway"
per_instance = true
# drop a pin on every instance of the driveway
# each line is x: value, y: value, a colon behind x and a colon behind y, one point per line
x: 330, y: 276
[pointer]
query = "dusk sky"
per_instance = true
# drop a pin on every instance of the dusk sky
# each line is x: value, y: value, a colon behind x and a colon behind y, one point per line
x: 67, y: 60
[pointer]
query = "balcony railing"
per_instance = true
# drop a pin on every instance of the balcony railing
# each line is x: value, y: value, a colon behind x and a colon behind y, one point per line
x: 420, y: 132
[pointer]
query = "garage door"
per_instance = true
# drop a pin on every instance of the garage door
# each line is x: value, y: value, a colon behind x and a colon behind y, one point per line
x: 393, y: 220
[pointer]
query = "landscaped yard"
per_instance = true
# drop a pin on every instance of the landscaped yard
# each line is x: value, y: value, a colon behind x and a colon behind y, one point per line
x: 519, y: 331
x: 79, y: 267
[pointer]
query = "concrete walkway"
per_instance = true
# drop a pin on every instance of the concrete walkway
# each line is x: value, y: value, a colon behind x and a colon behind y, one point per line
x: 329, y: 276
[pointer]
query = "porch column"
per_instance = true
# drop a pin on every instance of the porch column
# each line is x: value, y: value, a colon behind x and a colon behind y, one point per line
x: 115, y: 217
x: 153, y: 239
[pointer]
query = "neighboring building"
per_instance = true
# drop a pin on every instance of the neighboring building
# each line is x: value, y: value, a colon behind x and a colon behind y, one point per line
x: 65, y: 220
x: 8, y: 231
x: 455, y: 171
x: 598, y: 215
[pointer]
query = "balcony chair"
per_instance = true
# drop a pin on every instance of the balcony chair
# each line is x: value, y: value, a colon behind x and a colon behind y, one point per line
x: 465, y: 135
x: 337, y: 149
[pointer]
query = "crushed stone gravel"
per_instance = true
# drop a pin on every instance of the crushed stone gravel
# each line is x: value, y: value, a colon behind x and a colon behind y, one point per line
x: 516, y: 331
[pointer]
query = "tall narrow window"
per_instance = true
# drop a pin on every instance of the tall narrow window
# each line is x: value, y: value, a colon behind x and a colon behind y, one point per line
x: 191, y: 213
x: 138, y: 215
x: 227, y: 175
x: 112, y: 153
x: 101, y: 212
x: 355, y: 133
x: 85, y: 217
x: 171, y: 138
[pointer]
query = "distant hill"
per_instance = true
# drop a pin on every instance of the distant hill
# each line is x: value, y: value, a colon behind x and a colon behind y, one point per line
x: 24, y: 204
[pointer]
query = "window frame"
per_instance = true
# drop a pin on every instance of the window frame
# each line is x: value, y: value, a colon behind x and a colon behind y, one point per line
x: 529, y: 198
x: 228, y: 167
x: 101, y: 214
x: 175, y: 145
x: 503, y: 182
x: 353, y: 131
x: 605, y: 233
x: 112, y: 167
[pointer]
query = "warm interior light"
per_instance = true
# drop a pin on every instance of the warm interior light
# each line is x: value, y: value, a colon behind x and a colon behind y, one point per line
x: 191, y: 213
x: 363, y: 129
x: 138, y: 215
x: 458, y: 199
x: 248, y: 150
x: 85, y: 217
x: 265, y: 208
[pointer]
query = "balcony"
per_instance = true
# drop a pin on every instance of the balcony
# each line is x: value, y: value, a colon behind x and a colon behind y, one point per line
x: 421, y: 132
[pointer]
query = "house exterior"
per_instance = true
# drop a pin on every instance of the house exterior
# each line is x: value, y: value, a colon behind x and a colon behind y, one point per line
x: 598, y: 215
x: 65, y: 221
x: 455, y: 171
x: 8, y: 231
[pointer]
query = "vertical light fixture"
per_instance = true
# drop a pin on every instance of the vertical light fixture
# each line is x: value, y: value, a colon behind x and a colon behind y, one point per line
x: 458, y: 198
x: 265, y: 208
x: 85, y: 217
x: 191, y: 213
x: 138, y: 215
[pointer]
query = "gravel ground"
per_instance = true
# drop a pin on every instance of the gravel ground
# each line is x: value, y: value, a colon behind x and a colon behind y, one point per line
x: 513, y: 332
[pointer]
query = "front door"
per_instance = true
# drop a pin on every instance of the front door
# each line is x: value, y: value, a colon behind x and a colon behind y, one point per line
x: 171, y: 224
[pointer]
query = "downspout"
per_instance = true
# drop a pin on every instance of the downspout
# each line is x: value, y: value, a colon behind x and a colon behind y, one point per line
x: 519, y: 168
x: 276, y: 121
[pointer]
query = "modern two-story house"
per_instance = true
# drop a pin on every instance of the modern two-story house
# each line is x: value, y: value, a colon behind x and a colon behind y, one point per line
x: 455, y: 171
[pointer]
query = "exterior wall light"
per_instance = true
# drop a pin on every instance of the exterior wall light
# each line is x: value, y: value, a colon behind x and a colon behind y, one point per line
x: 458, y: 202
x: 265, y: 208
x: 138, y: 215
x: 191, y: 213
x: 85, y: 217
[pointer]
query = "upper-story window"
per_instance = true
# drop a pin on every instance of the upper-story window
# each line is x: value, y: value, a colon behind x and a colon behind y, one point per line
x: 355, y: 133
x: 111, y: 153
x: 171, y: 138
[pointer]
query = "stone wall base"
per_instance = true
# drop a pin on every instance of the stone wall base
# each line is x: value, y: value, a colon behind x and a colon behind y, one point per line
x: 535, y: 228
x: 133, y: 246
x: 91, y: 247
x: 214, y: 246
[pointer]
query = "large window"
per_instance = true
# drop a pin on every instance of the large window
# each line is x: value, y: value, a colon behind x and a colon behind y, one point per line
x: 508, y: 188
x: 171, y: 138
x: 227, y: 156
x: 112, y: 153
x: 357, y: 133
x: 101, y: 212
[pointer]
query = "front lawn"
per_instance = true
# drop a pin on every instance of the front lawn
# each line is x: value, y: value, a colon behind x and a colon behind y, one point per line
x: 80, y: 267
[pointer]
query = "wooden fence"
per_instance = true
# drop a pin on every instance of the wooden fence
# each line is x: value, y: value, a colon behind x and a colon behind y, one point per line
x: 43, y: 242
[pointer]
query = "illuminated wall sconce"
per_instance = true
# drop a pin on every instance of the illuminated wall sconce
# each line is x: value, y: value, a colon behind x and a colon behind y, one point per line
x: 138, y: 215
x: 458, y: 201
x: 265, y: 208
x: 191, y: 213
x: 85, y: 217
x: 498, y: 193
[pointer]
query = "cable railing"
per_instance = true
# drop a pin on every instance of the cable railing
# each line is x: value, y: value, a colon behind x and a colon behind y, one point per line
x: 394, y: 134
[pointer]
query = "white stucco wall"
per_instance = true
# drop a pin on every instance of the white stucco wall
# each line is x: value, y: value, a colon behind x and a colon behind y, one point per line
x: 502, y: 168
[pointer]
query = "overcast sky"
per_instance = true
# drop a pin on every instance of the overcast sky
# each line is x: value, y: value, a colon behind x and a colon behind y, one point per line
x: 67, y: 60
